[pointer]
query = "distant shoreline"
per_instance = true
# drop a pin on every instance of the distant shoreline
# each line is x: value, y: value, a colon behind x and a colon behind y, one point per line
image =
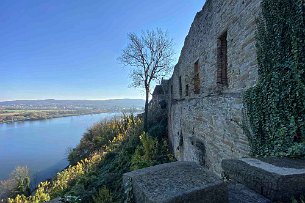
x: 33, y: 110
x: 57, y: 116
x: 52, y: 117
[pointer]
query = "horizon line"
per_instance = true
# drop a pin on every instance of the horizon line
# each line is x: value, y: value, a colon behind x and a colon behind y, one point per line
x: 72, y: 99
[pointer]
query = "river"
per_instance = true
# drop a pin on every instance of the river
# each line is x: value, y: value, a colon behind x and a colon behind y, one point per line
x: 42, y: 145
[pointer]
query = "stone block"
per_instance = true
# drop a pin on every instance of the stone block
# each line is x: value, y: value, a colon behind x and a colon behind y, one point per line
x: 239, y: 193
x: 278, y: 179
x: 176, y: 182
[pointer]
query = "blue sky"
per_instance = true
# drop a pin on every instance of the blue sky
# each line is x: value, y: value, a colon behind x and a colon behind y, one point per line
x: 68, y: 49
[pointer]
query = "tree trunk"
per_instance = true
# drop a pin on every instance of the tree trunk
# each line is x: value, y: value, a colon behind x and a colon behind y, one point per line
x: 146, y: 110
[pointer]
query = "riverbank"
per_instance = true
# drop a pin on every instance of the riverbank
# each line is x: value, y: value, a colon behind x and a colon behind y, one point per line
x: 11, y: 116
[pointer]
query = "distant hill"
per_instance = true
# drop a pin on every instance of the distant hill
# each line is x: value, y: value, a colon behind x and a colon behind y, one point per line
x: 112, y: 104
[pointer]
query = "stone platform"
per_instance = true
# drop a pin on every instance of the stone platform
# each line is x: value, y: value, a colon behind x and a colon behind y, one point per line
x: 278, y: 179
x: 176, y: 182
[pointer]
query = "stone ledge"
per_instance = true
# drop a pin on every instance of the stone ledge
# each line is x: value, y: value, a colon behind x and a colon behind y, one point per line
x: 239, y: 193
x: 176, y: 182
x: 278, y: 180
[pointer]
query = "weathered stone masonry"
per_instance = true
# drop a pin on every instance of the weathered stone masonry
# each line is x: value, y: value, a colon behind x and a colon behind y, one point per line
x: 203, y: 99
x: 217, y: 64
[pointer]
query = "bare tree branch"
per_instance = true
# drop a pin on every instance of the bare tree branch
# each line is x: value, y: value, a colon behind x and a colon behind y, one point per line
x: 150, y: 58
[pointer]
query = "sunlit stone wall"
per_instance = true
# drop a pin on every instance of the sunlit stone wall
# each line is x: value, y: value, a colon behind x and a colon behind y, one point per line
x: 207, y: 127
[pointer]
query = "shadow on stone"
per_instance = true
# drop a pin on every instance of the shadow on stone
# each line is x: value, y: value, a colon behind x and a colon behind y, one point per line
x: 275, y: 178
x: 176, y: 182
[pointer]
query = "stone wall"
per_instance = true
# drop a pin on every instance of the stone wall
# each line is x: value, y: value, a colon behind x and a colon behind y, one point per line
x: 157, y: 107
x: 207, y: 127
x: 159, y: 95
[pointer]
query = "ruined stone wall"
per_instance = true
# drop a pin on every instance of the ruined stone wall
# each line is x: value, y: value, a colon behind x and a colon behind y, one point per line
x: 157, y: 107
x: 207, y: 127
x: 159, y: 94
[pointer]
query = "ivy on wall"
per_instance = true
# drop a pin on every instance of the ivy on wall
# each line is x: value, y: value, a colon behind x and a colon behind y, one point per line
x: 276, y: 105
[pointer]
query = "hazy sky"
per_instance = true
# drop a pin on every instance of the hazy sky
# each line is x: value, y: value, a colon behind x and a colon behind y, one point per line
x: 68, y: 49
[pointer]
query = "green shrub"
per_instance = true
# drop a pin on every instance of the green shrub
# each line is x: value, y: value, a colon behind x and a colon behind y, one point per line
x: 22, y: 177
x: 276, y: 105
x: 158, y: 131
x: 145, y: 154
x: 150, y: 152
x: 18, y: 183
x: 103, y: 196
x: 99, y: 138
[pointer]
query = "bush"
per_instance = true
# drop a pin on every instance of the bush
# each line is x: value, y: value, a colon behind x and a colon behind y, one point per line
x: 22, y: 177
x: 158, y: 131
x: 146, y: 153
x: 7, y: 188
x: 104, y: 196
x: 150, y: 152
x: 18, y: 183
x: 98, y: 138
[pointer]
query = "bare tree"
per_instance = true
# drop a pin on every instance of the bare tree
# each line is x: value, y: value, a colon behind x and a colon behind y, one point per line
x: 150, y: 57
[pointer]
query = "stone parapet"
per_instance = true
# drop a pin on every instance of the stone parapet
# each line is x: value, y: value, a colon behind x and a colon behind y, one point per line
x: 176, y: 182
x: 278, y: 179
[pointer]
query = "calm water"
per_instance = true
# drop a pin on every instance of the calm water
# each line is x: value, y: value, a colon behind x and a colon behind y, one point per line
x: 42, y: 145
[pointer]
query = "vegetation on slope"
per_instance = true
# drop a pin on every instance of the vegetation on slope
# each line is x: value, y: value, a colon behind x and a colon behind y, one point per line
x: 276, y: 105
x: 106, y: 151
